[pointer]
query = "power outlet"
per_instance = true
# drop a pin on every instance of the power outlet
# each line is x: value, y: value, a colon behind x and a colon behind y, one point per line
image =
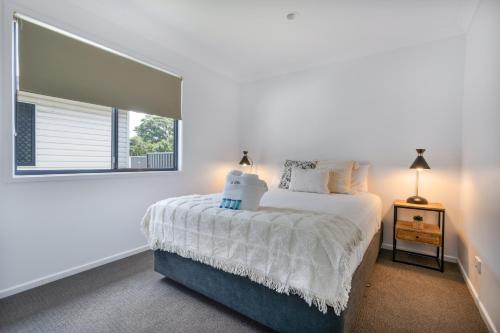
x: 477, y: 264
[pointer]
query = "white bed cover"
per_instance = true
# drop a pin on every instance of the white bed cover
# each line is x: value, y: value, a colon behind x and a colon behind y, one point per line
x: 364, y: 209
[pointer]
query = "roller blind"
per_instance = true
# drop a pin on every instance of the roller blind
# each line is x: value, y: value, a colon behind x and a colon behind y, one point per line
x: 54, y: 64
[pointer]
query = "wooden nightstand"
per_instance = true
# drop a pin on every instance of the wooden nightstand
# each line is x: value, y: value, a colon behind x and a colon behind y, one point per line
x: 431, y: 234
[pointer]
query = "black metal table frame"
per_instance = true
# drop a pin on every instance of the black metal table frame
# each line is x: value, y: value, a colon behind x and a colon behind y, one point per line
x: 439, y: 249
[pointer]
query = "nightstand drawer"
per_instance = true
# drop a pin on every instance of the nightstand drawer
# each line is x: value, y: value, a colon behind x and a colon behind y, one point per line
x: 417, y: 236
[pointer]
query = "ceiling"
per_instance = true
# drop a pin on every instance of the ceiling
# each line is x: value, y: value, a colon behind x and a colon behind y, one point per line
x: 252, y: 39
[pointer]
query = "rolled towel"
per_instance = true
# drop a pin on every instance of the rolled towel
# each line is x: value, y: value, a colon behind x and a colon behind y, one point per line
x: 242, y: 191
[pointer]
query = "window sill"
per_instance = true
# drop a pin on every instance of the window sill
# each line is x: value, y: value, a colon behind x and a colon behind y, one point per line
x: 90, y: 176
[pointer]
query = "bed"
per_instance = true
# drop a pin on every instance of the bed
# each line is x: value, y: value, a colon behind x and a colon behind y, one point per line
x: 281, y: 309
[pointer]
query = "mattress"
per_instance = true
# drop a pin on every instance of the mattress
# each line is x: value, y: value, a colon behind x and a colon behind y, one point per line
x: 364, y: 209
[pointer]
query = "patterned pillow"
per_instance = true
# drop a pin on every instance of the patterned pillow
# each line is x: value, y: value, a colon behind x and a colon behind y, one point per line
x: 287, y: 171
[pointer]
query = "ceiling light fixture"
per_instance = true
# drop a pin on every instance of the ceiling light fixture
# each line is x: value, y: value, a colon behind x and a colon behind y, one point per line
x: 292, y: 16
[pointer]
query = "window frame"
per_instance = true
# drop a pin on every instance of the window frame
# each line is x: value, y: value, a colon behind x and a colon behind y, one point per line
x: 114, y: 137
x: 113, y: 156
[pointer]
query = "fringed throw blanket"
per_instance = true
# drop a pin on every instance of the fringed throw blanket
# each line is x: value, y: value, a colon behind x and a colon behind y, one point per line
x: 289, y: 251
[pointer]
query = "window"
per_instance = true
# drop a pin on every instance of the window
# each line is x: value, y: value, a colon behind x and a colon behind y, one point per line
x: 72, y: 115
x: 55, y: 135
x: 150, y: 141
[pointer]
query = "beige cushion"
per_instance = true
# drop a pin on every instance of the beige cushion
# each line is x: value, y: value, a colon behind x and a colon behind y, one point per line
x: 340, y: 175
x: 359, y: 182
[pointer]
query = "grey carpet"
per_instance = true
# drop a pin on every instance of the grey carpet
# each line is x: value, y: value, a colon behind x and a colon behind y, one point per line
x: 127, y: 296
x: 404, y: 298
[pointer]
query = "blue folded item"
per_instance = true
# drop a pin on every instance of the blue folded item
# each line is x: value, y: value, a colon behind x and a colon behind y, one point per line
x: 230, y: 204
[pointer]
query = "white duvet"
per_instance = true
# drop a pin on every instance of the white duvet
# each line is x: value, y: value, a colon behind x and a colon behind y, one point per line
x: 363, y: 209
x: 301, y: 243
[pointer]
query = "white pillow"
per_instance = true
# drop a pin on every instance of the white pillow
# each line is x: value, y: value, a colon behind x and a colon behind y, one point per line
x: 359, y: 181
x: 309, y: 180
x: 340, y: 175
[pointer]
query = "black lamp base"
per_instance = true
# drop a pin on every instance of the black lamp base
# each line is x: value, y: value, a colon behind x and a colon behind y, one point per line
x: 417, y: 200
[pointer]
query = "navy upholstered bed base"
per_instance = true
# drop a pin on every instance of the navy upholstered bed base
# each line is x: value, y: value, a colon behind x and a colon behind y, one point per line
x: 283, y: 313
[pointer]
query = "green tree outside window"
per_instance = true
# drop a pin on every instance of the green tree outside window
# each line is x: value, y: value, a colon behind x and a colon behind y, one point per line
x: 154, y: 135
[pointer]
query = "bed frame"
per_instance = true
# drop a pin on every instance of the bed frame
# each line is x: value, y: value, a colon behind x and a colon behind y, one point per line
x: 281, y: 312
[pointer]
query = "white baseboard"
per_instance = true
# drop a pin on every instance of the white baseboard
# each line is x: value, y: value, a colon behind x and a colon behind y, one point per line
x: 475, y: 296
x: 68, y: 272
x: 447, y: 258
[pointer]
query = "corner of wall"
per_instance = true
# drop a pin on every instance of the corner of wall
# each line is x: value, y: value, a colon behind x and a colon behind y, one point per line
x: 475, y: 296
x: 478, y: 222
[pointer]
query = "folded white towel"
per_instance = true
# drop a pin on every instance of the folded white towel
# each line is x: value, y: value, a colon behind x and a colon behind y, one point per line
x: 243, y: 191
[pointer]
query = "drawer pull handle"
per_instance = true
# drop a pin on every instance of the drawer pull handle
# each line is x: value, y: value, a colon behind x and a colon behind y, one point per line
x: 417, y: 237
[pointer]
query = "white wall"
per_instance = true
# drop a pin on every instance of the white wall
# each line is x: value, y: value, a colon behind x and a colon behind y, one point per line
x: 47, y: 227
x: 378, y: 109
x: 480, y: 228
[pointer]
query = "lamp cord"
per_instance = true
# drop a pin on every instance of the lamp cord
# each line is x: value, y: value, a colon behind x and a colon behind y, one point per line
x: 416, y: 184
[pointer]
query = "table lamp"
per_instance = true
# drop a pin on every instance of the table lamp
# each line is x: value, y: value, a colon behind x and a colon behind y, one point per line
x: 245, y: 161
x: 419, y: 164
